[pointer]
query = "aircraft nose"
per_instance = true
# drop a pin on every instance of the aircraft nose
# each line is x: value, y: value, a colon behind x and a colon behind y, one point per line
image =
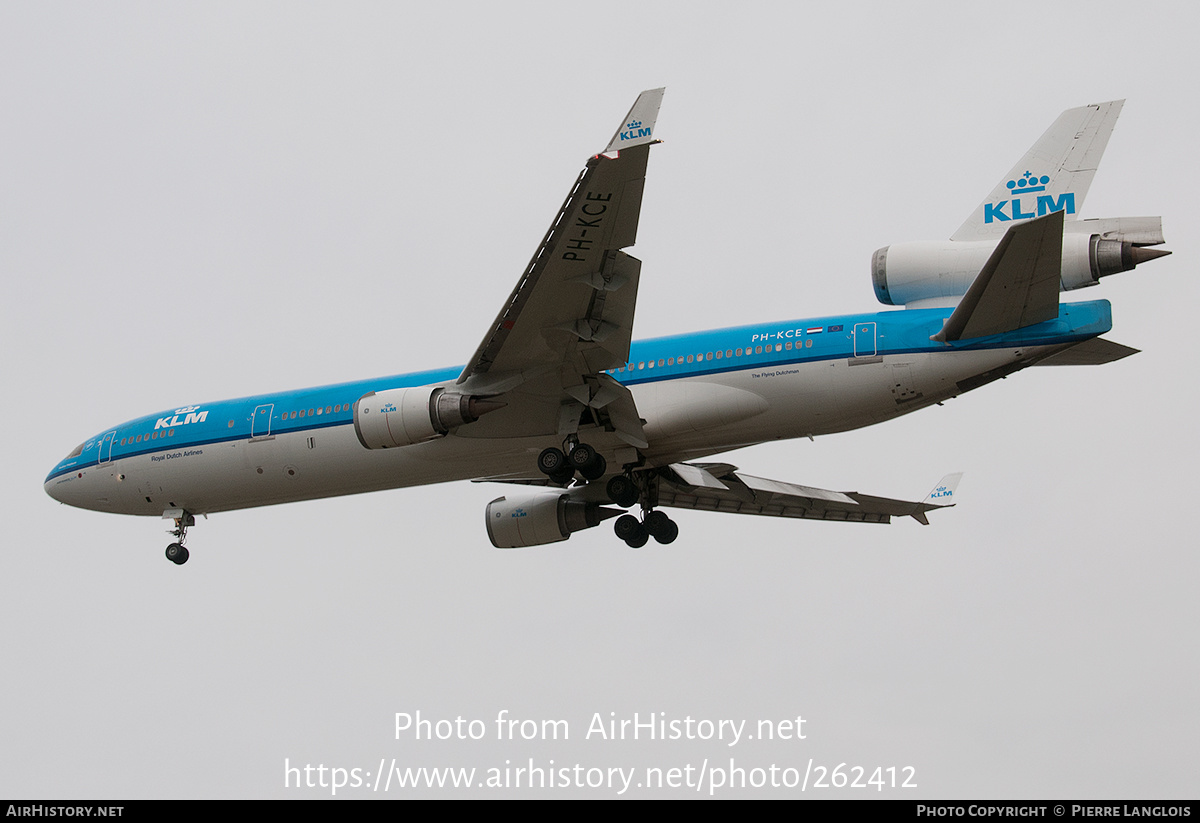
x: 65, y: 488
x: 55, y: 488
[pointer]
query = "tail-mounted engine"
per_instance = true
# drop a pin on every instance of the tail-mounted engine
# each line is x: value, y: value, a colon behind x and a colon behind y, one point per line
x: 517, y: 521
x: 402, y: 417
x: 925, y: 274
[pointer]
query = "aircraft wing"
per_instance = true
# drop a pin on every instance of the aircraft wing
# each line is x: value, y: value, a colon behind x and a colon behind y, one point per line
x: 570, y: 316
x: 720, y: 487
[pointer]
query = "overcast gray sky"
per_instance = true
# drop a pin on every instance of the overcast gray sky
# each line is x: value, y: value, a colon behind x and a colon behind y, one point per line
x: 210, y: 200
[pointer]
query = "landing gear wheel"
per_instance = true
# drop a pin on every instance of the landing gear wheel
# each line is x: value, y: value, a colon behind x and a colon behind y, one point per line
x: 626, y: 526
x: 588, y: 462
x: 638, y: 540
x: 669, y: 534
x: 596, y: 469
x: 656, y: 522
x: 582, y: 456
x: 552, y: 461
x: 622, y: 491
x: 177, y: 554
x: 563, y: 477
x: 631, y: 530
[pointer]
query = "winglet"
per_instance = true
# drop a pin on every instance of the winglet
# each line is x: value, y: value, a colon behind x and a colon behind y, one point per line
x: 941, y: 497
x: 637, y: 129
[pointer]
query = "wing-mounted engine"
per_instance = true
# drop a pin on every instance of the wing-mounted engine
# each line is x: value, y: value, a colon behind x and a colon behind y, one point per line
x: 926, y: 274
x: 403, y: 417
x: 518, y: 521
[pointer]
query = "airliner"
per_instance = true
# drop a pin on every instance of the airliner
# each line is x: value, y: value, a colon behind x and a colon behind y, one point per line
x: 584, y: 424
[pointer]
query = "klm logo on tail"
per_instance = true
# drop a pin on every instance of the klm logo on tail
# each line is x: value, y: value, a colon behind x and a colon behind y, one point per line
x: 1025, y: 187
x: 941, y: 492
x: 633, y: 130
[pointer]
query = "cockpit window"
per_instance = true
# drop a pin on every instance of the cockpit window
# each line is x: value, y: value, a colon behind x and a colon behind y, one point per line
x: 78, y: 450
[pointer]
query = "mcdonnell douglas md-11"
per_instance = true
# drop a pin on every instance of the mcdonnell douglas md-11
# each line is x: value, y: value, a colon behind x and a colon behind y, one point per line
x: 584, y: 423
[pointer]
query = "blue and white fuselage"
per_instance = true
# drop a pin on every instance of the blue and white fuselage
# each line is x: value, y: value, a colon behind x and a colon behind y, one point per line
x: 799, y: 378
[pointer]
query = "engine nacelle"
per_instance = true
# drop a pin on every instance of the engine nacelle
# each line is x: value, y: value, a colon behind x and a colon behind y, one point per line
x: 403, y: 417
x: 517, y: 521
x: 938, y: 273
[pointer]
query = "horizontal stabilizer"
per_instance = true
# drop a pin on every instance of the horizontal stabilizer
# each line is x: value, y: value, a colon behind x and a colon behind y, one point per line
x: 1017, y: 287
x: 1094, y: 352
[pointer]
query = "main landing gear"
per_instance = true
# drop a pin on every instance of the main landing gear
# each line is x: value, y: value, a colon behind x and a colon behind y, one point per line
x: 560, y: 465
x: 636, y: 533
x: 176, y: 552
x: 623, y: 490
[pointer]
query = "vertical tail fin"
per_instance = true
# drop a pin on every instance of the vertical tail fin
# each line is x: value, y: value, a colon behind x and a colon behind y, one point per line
x: 1054, y: 175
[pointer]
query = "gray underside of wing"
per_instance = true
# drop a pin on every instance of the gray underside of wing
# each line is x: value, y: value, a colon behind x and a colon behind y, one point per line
x: 570, y: 317
x: 720, y: 487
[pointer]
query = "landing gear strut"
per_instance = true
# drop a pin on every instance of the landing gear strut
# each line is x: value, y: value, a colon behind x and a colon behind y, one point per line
x: 176, y: 552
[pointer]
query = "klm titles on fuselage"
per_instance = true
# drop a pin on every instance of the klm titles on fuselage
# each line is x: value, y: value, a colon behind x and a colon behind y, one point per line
x: 1043, y: 205
x: 192, y: 414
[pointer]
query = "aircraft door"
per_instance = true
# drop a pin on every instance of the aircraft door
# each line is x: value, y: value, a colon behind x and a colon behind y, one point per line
x: 864, y: 339
x: 105, y: 450
x: 260, y: 425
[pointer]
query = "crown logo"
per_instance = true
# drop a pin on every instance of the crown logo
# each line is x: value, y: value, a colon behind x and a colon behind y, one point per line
x: 633, y: 124
x: 1028, y: 183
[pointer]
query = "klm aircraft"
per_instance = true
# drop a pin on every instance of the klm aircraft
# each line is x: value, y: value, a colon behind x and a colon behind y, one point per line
x: 583, y: 423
